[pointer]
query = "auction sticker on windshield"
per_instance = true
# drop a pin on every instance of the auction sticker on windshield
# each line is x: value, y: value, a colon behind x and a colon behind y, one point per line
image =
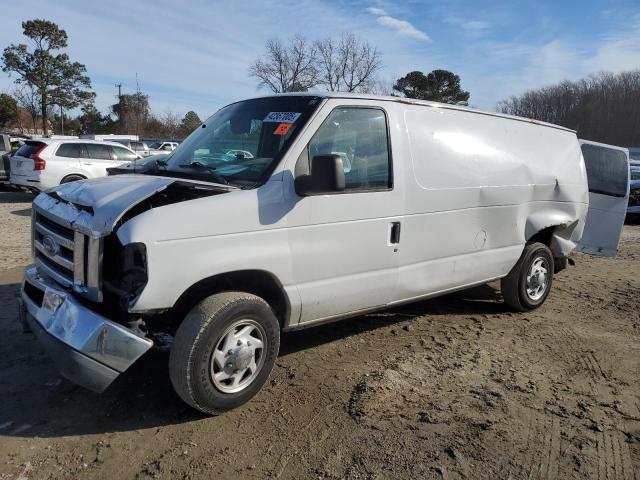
x: 282, y: 117
x: 282, y: 129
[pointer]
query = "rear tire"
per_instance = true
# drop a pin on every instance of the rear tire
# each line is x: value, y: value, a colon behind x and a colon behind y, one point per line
x: 528, y: 284
x: 223, y: 351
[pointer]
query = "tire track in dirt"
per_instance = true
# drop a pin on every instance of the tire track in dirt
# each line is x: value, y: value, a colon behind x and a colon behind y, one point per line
x: 613, y: 457
x: 543, y: 462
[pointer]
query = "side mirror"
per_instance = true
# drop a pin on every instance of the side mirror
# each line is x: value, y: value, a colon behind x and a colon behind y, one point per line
x: 327, y: 176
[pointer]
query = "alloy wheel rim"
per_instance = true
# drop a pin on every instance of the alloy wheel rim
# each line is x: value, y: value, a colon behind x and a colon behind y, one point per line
x: 238, y: 356
x: 537, y: 279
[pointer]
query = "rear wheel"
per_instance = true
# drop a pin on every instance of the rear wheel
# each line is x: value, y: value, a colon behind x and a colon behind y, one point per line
x: 527, y: 285
x: 224, y: 351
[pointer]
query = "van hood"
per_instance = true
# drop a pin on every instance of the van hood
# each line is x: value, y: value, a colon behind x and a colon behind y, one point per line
x: 95, y: 206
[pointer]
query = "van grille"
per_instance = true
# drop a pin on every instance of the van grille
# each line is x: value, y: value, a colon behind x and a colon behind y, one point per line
x: 71, y: 258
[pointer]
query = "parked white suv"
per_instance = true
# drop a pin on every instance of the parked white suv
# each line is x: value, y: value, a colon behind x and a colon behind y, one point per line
x: 44, y: 163
x: 162, y: 147
x: 289, y: 211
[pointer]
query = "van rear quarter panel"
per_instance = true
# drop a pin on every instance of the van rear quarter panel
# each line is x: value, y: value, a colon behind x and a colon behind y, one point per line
x: 477, y: 188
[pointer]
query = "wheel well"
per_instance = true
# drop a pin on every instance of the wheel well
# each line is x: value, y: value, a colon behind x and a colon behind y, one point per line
x: 543, y: 236
x: 257, y: 282
x: 73, y: 175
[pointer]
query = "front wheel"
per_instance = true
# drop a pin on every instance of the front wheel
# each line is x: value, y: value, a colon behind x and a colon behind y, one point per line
x: 527, y: 285
x: 223, y: 351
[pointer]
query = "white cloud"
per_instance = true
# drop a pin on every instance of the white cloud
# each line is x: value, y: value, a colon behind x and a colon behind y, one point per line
x: 376, y: 11
x: 469, y: 25
x: 403, y: 28
x: 400, y: 26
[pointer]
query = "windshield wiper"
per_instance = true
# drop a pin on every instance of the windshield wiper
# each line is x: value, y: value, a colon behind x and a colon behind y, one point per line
x: 201, y: 166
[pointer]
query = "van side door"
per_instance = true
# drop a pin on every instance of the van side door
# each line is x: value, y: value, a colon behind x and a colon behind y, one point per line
x: 608, y: 177
x: 344, y: 245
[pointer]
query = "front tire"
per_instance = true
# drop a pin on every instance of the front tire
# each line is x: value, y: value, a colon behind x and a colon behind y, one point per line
x: 223, y: 351
x: 527, y: 285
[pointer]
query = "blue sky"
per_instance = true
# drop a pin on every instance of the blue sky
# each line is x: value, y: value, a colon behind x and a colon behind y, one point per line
x: 195, y: 54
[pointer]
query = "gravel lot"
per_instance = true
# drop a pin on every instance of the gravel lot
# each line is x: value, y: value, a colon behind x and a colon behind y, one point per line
x: 456, y: 387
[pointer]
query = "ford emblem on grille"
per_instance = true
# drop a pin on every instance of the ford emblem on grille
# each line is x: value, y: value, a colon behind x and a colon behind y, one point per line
x: 50, y: 245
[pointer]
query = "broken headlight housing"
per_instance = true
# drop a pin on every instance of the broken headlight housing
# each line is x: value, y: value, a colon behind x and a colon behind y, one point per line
x: 124, y: 271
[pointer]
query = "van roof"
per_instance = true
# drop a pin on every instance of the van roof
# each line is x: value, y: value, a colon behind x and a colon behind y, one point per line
x: 412, y: 101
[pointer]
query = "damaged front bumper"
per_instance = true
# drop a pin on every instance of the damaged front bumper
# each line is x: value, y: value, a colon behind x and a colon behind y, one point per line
x: 87, y: 348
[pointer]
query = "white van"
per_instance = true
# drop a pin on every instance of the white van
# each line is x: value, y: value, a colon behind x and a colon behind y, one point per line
x: 289, y: 211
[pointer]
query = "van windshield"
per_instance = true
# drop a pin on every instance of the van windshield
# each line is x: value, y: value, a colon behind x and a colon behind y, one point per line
x: 243, y: 142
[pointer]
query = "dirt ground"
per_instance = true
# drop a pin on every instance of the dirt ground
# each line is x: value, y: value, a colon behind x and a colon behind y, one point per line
x: 456, y: 387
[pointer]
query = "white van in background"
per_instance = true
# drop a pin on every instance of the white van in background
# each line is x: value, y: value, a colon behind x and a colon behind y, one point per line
x: 288, y: 211
x: 43, y: 163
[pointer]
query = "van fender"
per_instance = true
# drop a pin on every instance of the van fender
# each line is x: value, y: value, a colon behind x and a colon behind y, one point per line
x: 561, y: 228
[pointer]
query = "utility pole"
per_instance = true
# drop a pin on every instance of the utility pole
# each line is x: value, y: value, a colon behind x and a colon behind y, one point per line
x: 61, y: 121
x: 119, y: 112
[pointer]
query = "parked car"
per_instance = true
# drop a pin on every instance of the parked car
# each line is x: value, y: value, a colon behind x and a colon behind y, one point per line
x: 633, y: 210
x: 223, y: 252
x: 5, y: 155
x: 141, y: 148
x: 44, y: 163
x: 162, y: 147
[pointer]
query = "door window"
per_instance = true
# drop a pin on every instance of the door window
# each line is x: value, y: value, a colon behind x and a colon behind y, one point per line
x: 99, y: 152
x: 123, y: 154
x: 607, y: 170
x: 72, y: 150
x: 360, y: 137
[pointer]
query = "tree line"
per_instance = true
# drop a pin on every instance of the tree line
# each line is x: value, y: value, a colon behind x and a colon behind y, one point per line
x: 603, y: 108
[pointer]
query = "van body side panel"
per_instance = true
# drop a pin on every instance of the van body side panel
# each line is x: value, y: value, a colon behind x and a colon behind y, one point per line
x: 473, y: 183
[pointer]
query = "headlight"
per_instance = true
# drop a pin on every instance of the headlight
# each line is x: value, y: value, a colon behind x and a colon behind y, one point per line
x: 134, y: 269
x: 124, y: 270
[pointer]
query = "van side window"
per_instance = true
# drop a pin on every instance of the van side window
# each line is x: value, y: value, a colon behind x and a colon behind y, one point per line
x: 359, y: 136
x: 607, y: 170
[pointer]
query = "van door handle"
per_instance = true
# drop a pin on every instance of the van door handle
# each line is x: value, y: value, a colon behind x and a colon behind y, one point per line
x: 395, y: 233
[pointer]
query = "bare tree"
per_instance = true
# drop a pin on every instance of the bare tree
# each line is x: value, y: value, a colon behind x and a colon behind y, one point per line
x: 171, y: 123
x: 602, y: 107
x: 286, y: 68
x: 377, y: 86
x: 330, y: 64
x: 347, y: 65
x: 359, y: 61
x: 27, y: 97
